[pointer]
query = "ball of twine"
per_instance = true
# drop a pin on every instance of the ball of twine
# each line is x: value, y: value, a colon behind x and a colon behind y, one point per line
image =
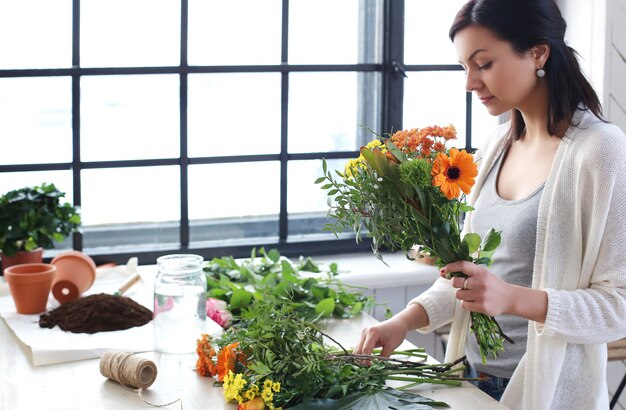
x: 128, y: 369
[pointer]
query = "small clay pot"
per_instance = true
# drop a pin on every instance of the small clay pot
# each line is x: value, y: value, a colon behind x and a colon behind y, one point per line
x: 34, y: 256
x: 76, y: 273
x: 30, y: 286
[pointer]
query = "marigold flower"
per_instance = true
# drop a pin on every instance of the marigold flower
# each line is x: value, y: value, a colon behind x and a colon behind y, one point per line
x: 226, y: 359
x: 204, y: 365
x: 254, y: 404
x: 454, y: 173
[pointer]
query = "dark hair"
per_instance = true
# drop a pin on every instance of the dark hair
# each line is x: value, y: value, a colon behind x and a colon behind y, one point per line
x: 525, y: 24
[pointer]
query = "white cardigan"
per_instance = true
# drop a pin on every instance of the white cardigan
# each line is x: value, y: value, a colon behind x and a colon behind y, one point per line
x: 580, y: 261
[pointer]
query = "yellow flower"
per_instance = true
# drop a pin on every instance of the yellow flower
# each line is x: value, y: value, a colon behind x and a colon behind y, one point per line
x: 250, y: 394
x: 255, y: 388
x: 268, y: 384
x: 377, y: 144
x: 233, y: 385
x: 276, y: 387
x: 267, y: 395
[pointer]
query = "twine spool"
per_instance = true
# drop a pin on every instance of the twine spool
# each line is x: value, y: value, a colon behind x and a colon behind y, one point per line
x: 128, y: 369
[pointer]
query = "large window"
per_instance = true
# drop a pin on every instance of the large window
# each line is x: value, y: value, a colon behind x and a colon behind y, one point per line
x: 200, y: 125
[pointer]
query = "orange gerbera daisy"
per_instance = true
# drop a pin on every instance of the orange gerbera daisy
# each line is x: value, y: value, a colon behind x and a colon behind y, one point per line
x: 226, y: 359
x: 454, y: 173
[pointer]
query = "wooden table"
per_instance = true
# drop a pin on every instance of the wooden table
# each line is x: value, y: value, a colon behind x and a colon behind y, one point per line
x: 79, y: 384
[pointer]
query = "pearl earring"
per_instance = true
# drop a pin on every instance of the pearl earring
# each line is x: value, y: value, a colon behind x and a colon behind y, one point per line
x: 540, y: 73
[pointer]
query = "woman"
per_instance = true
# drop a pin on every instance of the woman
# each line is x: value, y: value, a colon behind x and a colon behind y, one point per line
x: 553, y: 179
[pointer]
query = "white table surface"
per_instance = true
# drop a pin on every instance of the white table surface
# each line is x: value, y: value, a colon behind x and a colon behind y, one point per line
x: 79, y: 384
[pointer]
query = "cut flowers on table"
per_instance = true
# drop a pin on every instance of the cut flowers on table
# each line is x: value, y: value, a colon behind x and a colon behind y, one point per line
x: 312, y: 293
x: 278, y: 360
x: 407, y: 190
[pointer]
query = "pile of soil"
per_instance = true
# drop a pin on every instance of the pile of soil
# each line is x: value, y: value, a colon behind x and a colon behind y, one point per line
x: 97, y: 313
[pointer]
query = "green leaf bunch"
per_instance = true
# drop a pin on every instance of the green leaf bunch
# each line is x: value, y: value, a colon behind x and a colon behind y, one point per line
x: 282, y: 347
x: 311, y: 293
x: 33, y: 217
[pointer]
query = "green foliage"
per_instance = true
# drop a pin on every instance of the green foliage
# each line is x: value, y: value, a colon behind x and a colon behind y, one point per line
x: 33, y: 217
x: 378, y: 400
x: 310, y: 293
x: 282, y: 347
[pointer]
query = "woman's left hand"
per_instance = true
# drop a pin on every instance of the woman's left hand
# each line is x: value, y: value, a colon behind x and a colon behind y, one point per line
x: 481, y: 291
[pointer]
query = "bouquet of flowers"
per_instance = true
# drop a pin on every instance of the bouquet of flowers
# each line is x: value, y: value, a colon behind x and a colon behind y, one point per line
x: 409, y: 190
x: 279, y: 360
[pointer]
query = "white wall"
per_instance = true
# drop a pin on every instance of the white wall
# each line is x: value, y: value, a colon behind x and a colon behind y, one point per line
x: 597, y: 30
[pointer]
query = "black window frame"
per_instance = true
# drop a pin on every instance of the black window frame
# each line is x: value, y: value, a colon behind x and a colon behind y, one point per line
x: 391, y: 69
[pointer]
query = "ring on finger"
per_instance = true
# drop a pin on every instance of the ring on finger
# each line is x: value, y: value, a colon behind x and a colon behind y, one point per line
x: 464, y: 287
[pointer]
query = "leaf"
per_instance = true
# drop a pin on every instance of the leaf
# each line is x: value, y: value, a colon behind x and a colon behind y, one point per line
x: 395, y: 151
x: 356, y: 309
x: 386, y: 399
x: 377, y: 160
x: 324, y: 166
x: 240, y: 298
x: 320, y: 180
x: 491, y: 240
x: 325, y: 307
x: 274, y: 255
x: 473, y: 241
x: 288, y: 272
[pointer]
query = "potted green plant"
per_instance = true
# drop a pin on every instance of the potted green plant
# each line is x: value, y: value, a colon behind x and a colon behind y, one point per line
x: 33, y: 219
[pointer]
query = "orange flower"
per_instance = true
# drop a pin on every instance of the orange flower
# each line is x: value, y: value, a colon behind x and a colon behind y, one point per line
x: 255, y: 404
x: 454, y: 173
x: 205, y: 366
x: 226, y: 359
x: 407, y: 140
x: 439, y: 146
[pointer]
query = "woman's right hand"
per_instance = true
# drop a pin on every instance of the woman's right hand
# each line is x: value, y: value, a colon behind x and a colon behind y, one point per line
x: 391, y: 333
x: 388, y: 335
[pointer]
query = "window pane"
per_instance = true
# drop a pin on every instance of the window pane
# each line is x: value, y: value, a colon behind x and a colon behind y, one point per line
x: 426, y: 26
x: 234, y: 114
x: 35, y: 34
x: 323, y: 31
x: 307, y: 202
x: 435, y: 98
x: 227, y: 196
x: 123, y: 195
x: 130, y: 117
x: 35, y: 120
x: 322, y: 112
x: 129, y: 33
x: 255, y: 39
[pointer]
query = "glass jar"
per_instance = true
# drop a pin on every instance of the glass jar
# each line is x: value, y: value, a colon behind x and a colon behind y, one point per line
x: 179, y: 303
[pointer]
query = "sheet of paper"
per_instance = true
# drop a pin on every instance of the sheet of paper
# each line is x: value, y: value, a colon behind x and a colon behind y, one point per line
x: 47, y: 346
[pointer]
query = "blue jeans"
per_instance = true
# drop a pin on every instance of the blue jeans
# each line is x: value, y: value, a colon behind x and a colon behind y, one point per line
x: 492, y: 385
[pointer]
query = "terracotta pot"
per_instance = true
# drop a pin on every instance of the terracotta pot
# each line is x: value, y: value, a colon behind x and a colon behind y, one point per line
x: 30, y: 286
x: 76, y: 273
x: 22, y: 257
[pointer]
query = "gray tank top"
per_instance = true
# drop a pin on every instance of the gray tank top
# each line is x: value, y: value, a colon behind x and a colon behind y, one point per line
x: 512, y: 262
